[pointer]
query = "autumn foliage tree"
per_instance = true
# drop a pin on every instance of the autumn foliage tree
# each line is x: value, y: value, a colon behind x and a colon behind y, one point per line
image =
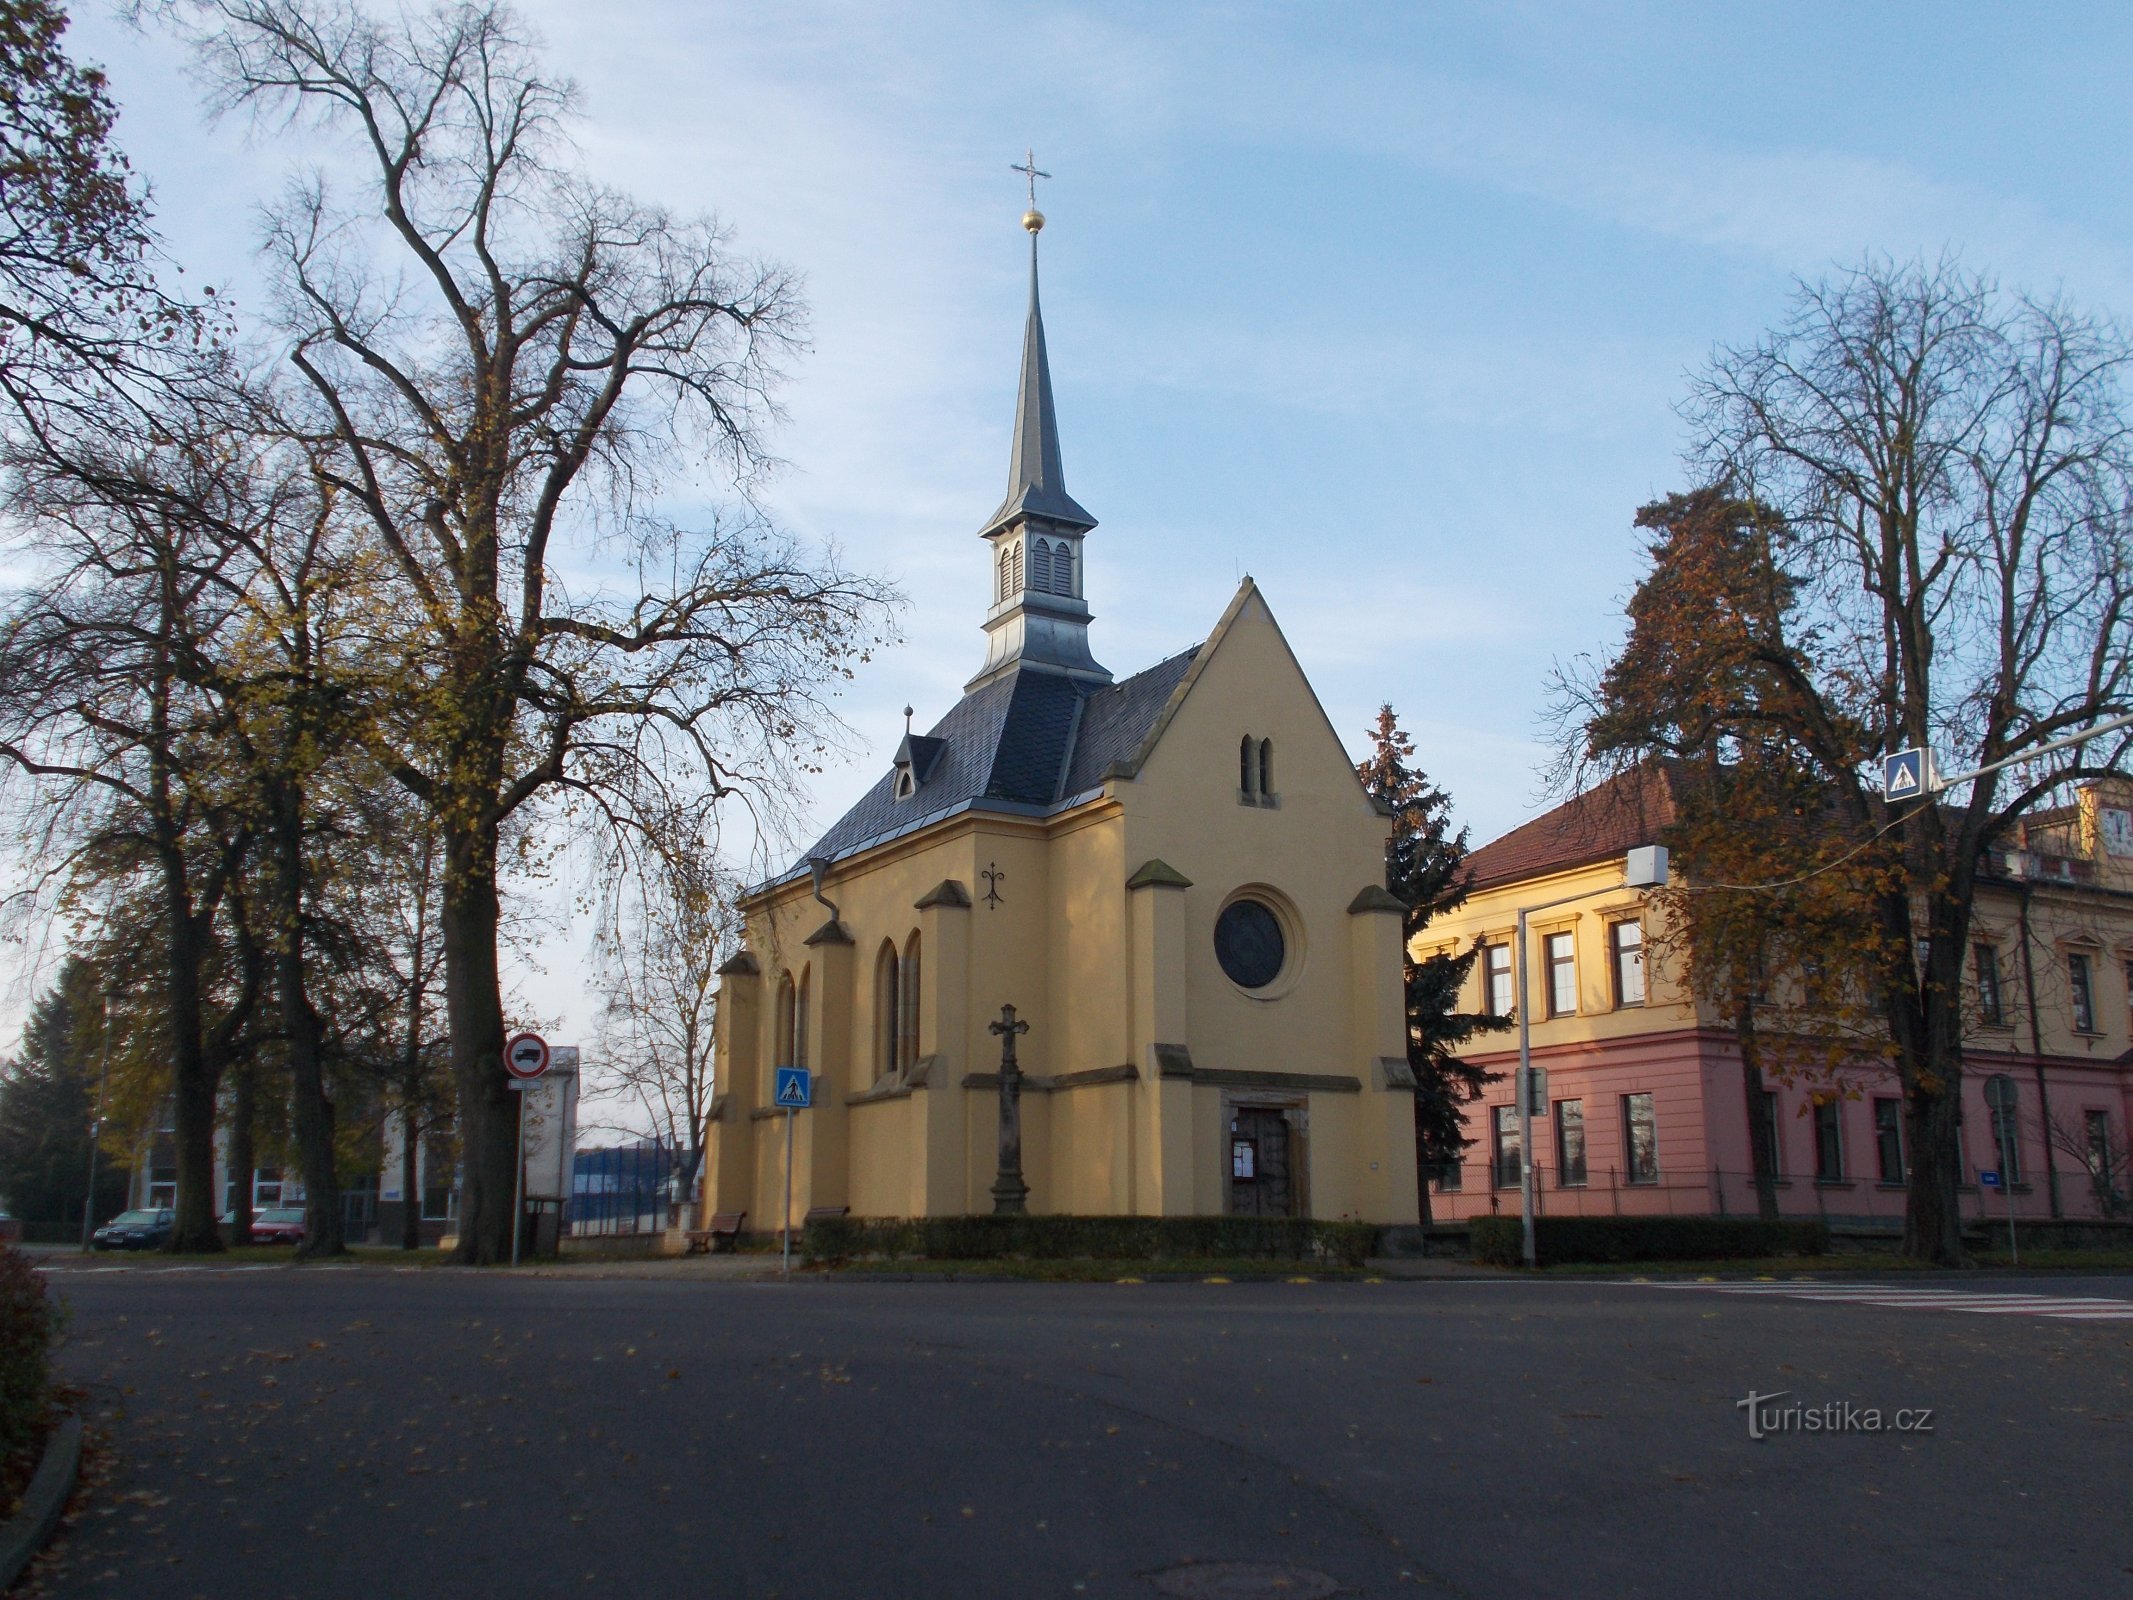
x: 1425, y: 870
x: 1933, y: 491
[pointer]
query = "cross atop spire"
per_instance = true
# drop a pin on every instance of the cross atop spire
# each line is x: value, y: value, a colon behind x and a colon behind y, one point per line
x: 1028, y: 169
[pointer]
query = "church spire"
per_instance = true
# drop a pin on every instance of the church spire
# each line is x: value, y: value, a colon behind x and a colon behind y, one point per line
x: 1036, y: 481
x: 1038, y: 618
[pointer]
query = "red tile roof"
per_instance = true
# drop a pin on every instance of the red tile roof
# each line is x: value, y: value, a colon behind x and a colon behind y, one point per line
x: 1605, y: 821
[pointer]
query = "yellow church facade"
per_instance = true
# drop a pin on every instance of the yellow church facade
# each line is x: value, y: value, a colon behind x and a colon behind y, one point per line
x: 1174, y: 878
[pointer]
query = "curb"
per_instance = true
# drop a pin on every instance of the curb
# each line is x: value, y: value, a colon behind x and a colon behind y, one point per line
x: 25, y: 1533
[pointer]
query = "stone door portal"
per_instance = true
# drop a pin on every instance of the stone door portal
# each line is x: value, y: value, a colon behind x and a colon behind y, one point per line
x: 1260, y: 1183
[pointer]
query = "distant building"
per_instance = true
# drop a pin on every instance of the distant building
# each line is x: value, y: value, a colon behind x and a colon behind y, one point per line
x: 1648, y: 1111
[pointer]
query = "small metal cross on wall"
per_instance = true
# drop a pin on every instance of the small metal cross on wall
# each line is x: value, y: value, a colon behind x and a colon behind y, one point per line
x: 993, y: 877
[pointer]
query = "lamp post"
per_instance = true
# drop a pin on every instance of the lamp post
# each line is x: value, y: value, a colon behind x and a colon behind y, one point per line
x: 1643, y: 868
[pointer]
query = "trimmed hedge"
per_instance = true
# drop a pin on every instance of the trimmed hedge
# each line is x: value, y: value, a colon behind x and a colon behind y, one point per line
x: 29, y: 1324
x: 1097, y: 1238
x: 1500, y: 1241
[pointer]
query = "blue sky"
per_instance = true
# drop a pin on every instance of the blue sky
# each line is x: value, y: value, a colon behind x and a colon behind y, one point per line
x: 1386, y: 305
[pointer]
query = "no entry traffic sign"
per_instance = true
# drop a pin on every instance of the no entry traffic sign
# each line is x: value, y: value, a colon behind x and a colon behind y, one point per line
x: 526, y: 1056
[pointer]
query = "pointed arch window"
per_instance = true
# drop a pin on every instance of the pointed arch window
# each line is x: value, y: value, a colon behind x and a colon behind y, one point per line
x: 1063, y: 567
x: 1247, y: 769
x: 907, y: 1011
x: 784, y: 1023
x: 799, y: 1022
x: 888, y: 996
x: 1014, y: 585
x: 1266, y: 769
x: 1006, y: 572
x: 1040, y: 566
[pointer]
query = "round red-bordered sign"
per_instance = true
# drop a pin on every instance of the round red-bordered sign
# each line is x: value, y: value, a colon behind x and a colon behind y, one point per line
x: 525, y: 1055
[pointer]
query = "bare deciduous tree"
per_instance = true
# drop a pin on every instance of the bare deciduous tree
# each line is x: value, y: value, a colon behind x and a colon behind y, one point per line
x: 506, y: 362
x: 1951, y: 471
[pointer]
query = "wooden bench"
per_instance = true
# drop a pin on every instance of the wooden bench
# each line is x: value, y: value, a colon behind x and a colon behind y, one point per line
x: 725, y: 1225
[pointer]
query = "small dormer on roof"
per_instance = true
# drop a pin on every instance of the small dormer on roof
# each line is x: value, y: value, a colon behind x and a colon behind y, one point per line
x: 916, y: 758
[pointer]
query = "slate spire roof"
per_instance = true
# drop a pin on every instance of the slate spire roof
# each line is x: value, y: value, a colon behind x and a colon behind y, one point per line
x: 1036, y: 481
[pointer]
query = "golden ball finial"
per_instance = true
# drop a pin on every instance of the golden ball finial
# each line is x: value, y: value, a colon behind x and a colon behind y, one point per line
x: 1033, y: 220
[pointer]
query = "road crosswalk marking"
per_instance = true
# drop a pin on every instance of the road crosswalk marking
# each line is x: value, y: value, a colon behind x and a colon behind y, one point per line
x: 1982, y: 1302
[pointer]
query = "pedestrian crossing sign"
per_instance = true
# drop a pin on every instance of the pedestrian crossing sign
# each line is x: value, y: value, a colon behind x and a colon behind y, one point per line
x: 795, y: 1089
x: 1907, y: 775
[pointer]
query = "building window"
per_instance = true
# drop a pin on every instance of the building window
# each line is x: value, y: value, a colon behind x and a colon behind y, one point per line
x: 2006, y: 1145
x: 1266, y: 770
x: 1829, y: 1141
x: 1040, y: 567
x: 787, y: 1025
x: 888, y: 994
x: 1985, y: 963
x: 1247, y: 770
x: 1640, y: 1139
x: 1006, y: 571
x: 1014, y: 569
x: 1504, y: 1146
x: 1888, y: 1139
x: 1063, y: 568
x: 1496, y: 979
x: 1559, y: 950
x: 1451, y: 1176
x: 2084, y: 992
x: 1249, y: 943
x: 1626, y: 946
x: 799, y: 1022
x: 1773, y: 1146
x: 907, y: 1012
x: 1569, y: 1143
x: 2097, y: 1125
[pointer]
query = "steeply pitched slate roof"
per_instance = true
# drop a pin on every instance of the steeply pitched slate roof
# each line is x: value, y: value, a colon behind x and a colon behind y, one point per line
x: 1605, y: 821
x: 1029, y: 739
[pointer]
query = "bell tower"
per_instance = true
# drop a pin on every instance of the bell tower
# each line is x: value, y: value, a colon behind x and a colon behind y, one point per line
x: 1037, y: 617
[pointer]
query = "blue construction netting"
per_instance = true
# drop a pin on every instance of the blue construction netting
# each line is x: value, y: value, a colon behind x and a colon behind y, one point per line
x: 622, y: 1189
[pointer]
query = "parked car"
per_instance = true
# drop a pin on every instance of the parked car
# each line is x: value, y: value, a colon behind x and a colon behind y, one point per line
x: 135, y: 1230
x: 278, y: 1225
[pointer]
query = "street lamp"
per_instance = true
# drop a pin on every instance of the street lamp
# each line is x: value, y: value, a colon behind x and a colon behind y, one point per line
x: 1643, y: 868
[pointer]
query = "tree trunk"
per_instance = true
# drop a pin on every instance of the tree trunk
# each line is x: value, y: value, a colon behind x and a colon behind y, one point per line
x: 1762, y: 1134
x: 193, y: 1074
x: 488, y: 1129
x: 244, y: 1154
x: 411, y: 1096
x: 1932, y: 1220
x: 410, y: 1177
x: 310, y: 1106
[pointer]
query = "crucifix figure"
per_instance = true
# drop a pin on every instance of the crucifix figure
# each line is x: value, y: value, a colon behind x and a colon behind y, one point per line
x: 1010, y: 1195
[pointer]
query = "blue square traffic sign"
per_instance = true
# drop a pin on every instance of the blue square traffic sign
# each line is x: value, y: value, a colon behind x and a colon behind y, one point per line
x: 1988, y: 1180
x: 1904, y: 775
x: 795, y: 1089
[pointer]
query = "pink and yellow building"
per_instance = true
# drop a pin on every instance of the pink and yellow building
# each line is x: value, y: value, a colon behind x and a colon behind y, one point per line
x: 1647, y: 1108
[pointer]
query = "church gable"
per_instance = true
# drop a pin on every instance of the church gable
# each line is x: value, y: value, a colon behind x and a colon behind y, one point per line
x: 1245, y: 725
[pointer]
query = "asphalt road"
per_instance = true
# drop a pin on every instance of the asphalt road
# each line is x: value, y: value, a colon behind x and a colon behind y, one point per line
x: 364, y: 1432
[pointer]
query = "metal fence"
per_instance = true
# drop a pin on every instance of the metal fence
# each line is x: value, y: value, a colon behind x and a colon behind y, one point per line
x: 1482, y: 1190
x: 621, y: 1190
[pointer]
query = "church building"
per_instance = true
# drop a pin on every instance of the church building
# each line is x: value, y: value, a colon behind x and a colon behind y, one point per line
x: 1176, y: 881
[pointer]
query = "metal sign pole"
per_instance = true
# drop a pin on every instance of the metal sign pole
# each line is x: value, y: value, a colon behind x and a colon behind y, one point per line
x: 518, y: 1189
x: 785, y: 1264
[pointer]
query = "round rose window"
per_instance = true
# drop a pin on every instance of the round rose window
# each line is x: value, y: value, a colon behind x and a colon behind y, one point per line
x: 1249, y: 943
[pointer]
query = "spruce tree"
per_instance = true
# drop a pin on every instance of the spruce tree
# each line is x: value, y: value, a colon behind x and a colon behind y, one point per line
x: 1425, y: 865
